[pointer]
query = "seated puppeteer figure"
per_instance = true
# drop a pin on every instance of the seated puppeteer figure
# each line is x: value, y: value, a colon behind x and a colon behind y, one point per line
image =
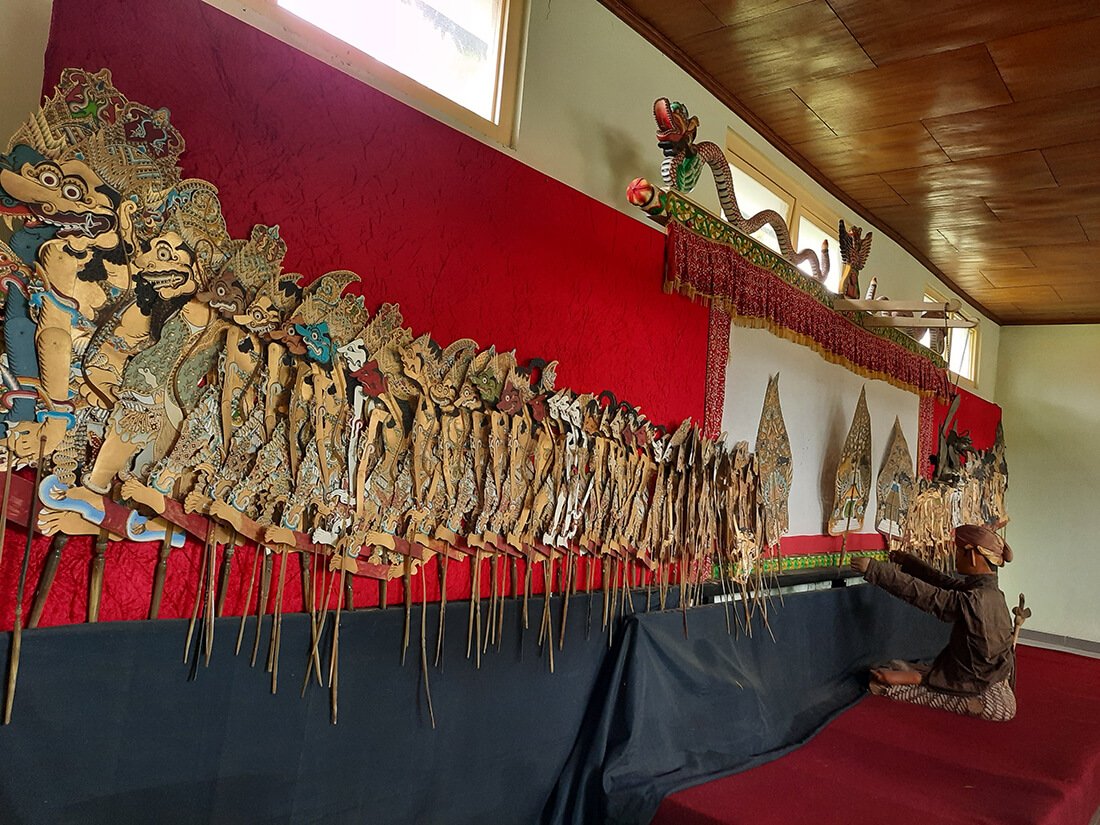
x: 975, y: 674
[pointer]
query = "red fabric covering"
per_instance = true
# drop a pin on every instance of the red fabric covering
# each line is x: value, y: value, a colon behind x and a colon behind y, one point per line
x: 885, y: 761
x: 699, y: 267
x: 927, y: 435
x: 808, y: 545
x: 718, y: 356
x: 975, y: 416
x: 128, y: 581
x: 470, y: 242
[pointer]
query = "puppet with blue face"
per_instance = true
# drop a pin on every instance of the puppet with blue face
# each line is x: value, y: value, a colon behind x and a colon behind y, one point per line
x: 317, y: 341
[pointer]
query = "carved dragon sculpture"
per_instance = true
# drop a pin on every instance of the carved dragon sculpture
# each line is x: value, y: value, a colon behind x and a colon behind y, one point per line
x: 683, y: 164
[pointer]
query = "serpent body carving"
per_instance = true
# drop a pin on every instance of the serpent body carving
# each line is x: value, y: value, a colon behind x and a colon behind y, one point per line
x: 683, y: 163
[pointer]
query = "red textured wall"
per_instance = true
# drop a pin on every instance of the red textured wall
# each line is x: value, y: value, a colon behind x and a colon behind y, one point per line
x: 976, y: 416
x: 470, y: 242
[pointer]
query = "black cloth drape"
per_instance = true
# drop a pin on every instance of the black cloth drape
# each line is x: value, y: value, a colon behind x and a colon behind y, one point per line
x: 681, y: 712
x: 107, y: 729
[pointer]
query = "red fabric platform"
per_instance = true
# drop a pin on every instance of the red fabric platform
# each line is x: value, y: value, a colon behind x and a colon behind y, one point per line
x: 885, y: 761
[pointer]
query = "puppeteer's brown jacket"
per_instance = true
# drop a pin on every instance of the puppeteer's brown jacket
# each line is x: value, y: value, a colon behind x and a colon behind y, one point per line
x: 979, y: 653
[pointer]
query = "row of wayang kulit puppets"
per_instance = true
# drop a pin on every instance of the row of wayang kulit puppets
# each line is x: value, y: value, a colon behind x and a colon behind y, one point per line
x: 163, y: 379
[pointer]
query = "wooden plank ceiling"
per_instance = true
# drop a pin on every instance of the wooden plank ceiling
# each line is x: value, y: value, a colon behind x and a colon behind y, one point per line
x: 969, y: 130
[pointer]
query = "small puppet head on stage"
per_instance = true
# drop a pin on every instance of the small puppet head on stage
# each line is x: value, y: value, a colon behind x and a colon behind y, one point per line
x: 979, y: 549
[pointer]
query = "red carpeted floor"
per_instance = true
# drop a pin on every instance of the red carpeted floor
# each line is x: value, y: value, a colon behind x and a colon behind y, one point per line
x: 888, y: 762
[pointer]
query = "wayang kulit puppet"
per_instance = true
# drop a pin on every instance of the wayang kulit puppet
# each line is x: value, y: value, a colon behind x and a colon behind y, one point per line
x: 894, y: 489
x: 967, y: 487
x: 773, y: 451
x: 852, y: 489
x: 167, y: 381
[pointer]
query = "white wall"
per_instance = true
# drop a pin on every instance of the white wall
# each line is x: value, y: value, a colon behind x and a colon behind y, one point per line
x: 1049, y: 388
x: 819, y: 400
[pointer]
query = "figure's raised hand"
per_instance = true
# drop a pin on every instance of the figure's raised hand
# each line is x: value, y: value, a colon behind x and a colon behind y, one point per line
x: 860, y: 564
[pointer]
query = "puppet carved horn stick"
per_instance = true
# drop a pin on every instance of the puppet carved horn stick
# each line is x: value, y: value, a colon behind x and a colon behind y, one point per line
x: 406, y: 580
x: 276, y: 606
x: 494, y: 591
x: 349, y: 594
x: 305, y: 560
x: 588, y: 573
x: 313, y: 662
x: 17, y: 631
x: 475, y: 606
x: 200, y: 589
x: 95, y: 579
x: 223, y: 574
x: 328, y: 583
x: 443, y: 560
x: 9, y: 459
x: 208, y: 606
x: 46, y: 577
x: 160, y: 573
x: 277, y: 629
x: 526, y: 590
x: 546, y: 629
x: 500, y: 599
x: 195, y: 609
x: 309, y: 595
x: 424, y: 652
x: 247, y: 599
x: 334, y: 659
x: 261, y: 603
x: 847, y: 532
x: 569, y: 575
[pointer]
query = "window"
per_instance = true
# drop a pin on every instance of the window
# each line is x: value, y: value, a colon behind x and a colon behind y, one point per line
x: 456, y: 59
x: 811, y: 233
x: 961, y: 348
x: 754, y: 195
x: 758, y: 185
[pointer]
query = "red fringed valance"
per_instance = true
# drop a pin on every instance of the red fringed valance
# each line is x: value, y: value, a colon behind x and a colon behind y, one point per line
x: 756, y: 296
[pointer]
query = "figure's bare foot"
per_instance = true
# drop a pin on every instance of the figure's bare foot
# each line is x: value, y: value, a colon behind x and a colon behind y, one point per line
x: 52, y: 522
x: 143, y: 494
x: 78, y: 494
x: 888, y: 677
